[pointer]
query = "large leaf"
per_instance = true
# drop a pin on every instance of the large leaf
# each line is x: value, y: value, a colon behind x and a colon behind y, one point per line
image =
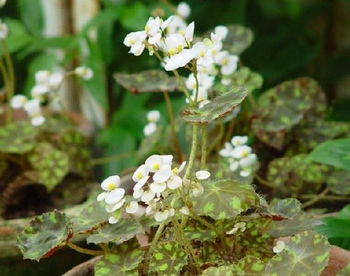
x: 305, y: 254
x: 284, y: 106
x: 225, y: 199
x: 44, y: 235
x: 50, y: 164
x: 288, y: 207
x: 147, y: 81
x: 168, y: 258
x: 335, y: 153
x: 238, y: 39
x: 18, y: 36
x: 18, y: 137
x: 92, y: 216
x: 196, y: 231
x: 249, y: 265
x: 123, y: 262
x: 218, y: 108
x: 122, y: 231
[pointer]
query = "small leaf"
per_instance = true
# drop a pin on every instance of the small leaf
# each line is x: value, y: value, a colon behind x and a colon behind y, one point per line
x: 168, y: 258
x: 51, y: 164
x: 218, y: 108
x: 147, y: 81
x: 44, y: 235
x: 338, y: 182
x: 18, y: 137
x: 335, y: 153
x: 305, y: 254
x: 288, y: 207
x: 238, y: 39
x: 249, y: 265
x: 122, y: 263
x: 120, y: 232
x: 196, y: 231
x: 225, y: 199
x: 223, y: 270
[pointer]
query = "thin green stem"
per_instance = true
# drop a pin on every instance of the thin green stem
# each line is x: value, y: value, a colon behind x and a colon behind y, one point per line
x: 204, y: 146
x: 154, y: 243
x: 316, y: 198
x: 173, y: 126
x: 263, y: 181
x: 193, y: 151
x: 252, y: 101
x: 218, y: 138
x: 85, y: 250
x: 197, y: 85
x: 182, y: 85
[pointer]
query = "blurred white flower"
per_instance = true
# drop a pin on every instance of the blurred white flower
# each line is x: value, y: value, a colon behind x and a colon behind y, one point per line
x: 112, y: 220
x: 174, y: 182
x: 18, y: 101
x: 85, y: 72
x: 132, y: 207
x: 149, y: 129
x: 239, y: 140
x: 241, y: 151
x: 161, y: 215
x: 183, y: 9
x: 153, y: 116
x: 279, y: 247
x: 2, y: 3
x: 158, y: 187
x: 37, y: 120
x: 221, y: 31
x: 135, y: 41
x: 3, y: 30
x: 184, y: 210
x: 202, y: 175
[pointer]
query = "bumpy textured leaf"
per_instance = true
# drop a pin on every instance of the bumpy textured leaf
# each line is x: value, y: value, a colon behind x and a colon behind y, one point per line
x: 219, y: 107
x: 223, y: 270
x: 238, y: 39
x: 44, y: 235
x: 147, y: 81
x: 288, y: 207
x: 335, y: 153
x: 297, y: 224
x: 122, y: 231
x: 92, y: 216
x: 249, y: 265
x: 338, y: 182
x: 247, y: 78
x: 305, y: 254
x: 225, y: 199
x: 123, y: 262
x: 209, y: 254
x: 284, y: 106
x: 18, y: 137
x: 296, y: 174
x: 168, y: 258
x: 196, y: 231
x: 51, y: 164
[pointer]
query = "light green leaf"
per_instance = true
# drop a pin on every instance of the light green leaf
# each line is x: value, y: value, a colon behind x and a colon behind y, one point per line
x: 18, y: 36
x: 288, y: 207
x: 223, y: 270
x: 238, y: 39
x: 305, y: 254
x: 196, y: 231
x: 44, y: 235
x: 218, y: 108
x: 225, y: 199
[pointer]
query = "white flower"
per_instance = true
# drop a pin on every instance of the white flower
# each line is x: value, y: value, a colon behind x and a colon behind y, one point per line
x: 163, y: 174
x: 174, y: 182
x: 32, y: 107
x: 132, y: 207
x: 149, y: 129
x: 153, y: 26
x: 174, y: 44
x: 221, y: 31
x: 158, y: 187
x: 112, y: 220
x: 116, y: 206
x: 2, y: 3
x: 18, y: 101
x: 226, y: 81
x: 239, y: 140
x: 202, y: 175
x: 140, y: 173
x: 85, y: 72
x: 245, y: 172
x: 161, y: 215
x: 182, y: 167
x: 183, y: 9
x: 155, y: 162
x: 279, y: 247
x: 3, y: 30
x: 248, y: 161
x: 141, y: 183
x: 176, y: 25
x: 199, y: 50
x: 234, y: 166
x: 102, y: 196
x: 55, y: 80
x: 197, y: 190
x: 227, y: 62
x: 39, y: 90
x: 153, y: 116
x: 111, y: 183
x: 147, y: 196
x: 184, y: 210
x: 115, y: 196
x: 137, y: 193
x: 226, y: 151
x: 241, y: 152
x: 135, y: 41
x: 42, y: 77
x: 166, y: 23
x: 189, y: 31
x: 37, y: 120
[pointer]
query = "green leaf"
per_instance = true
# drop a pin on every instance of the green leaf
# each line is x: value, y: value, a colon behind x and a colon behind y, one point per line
x: 283, y: 107
x: 103, y: 17
x: 238, y: 39
x: 249, y: 265
x: 218, y: 108
x: 120, y: 232
x: 18, y: 137
x: 225, y: 199
x: 335, y: 153
x: 147, y: 81
x: 168, y: 258
x: 338, y: 182
x: 50, y: 164
x: 288, y: 207
x: 196, y: 231
x: 44, y: 235
x: 305, y: 254
x: 92, y: 216
x: 223, y: 270
x: 32, y: 15
x: 134, y: 16
x: 124, y: 262
x: 18, y: 36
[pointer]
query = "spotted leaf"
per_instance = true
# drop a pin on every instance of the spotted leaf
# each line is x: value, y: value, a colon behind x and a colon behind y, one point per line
x: 238, y: 39
x: 288, y: 207
x: 120, y: 232
x: 168, y: 258
x: 122, y: 263
x: 305, y: 254
x: 18, y: 137
x: 224, y: 199
x: 218, y: 108
x: 223, y: 270
x: 44, y: 235
x: 50, y: 164
x: 147, y: 81
x: 249, y: 265
x: 196, y: 231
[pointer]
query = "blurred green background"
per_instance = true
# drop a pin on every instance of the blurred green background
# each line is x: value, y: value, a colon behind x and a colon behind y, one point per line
x: 293, y: 38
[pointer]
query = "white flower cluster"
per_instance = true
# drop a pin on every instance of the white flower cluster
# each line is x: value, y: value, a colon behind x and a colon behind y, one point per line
x: 3, y: 26
x: 152, y: 117
x: 173, y: 38
x: 46, y: 84
x: 240, y: 155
